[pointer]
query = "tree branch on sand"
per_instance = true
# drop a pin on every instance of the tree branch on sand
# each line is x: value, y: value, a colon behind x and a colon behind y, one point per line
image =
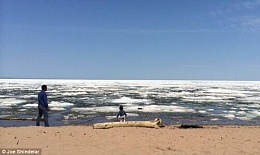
x: 157, y: 123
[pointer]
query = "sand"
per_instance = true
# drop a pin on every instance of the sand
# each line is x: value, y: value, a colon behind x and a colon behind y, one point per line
x: 79, y: 140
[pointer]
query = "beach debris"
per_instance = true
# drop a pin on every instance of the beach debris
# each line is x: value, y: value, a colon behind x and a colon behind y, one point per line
x: 185, y: 126
x: 157, y: 123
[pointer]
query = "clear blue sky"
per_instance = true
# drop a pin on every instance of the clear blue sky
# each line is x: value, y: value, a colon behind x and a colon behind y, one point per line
x: 130, y: 39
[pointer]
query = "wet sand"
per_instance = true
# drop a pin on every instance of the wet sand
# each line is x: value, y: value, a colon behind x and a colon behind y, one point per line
x: 81, y: 140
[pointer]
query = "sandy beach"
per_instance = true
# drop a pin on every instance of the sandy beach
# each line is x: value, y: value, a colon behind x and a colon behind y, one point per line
x: 81, y: 140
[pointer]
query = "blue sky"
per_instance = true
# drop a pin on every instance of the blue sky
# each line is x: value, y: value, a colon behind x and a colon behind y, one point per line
x: 130, y: 39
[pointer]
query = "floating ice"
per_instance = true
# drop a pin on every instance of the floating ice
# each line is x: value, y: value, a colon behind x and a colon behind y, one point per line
x: 214, y: 119
x: 60, y: 104
x: 73, y: 93
x: 21, y: 110
x: 250, y: 100
x: 256, y: 112
x: 202, y: 111
x: 202, y: 99
x: 57, y: 109
x: 229, y: 116
x: 30, y: 105
x: 97, y: 109
x: 174, y: 94
x: 52, y: 105
x: 254, y: 105
x: 130, y: 100
x: 241, y: 112
x: 243, y: 108
x: 244, y: 118
x: 225, y: 99
x: 232, y: 111
x: 225, y: 92
x: 5, y: 116
x: 132, y: 114
x: 110, y: 117
x: 11, y: 102
x: 70, y: 117
x: 29, y: 96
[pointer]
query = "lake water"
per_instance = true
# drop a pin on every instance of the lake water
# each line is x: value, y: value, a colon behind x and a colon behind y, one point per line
x: 91, y: 101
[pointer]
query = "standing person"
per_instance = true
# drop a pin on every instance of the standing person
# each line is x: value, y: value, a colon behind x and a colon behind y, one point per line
x: 43, y: 106
x: 122, y: 114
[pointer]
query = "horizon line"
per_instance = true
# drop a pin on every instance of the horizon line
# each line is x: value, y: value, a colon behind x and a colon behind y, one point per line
x: 10, y: 78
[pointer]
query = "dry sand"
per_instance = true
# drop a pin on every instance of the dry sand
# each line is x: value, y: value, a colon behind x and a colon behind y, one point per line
x: 79, y: 140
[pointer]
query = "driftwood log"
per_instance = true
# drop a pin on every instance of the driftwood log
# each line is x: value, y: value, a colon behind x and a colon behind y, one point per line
x: 157, y: 123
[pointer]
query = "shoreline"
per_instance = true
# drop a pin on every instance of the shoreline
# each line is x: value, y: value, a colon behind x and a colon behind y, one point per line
x: 55, y: 123
x: 165, y: 125
x: 83, y: 139
x: 26, y: 123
